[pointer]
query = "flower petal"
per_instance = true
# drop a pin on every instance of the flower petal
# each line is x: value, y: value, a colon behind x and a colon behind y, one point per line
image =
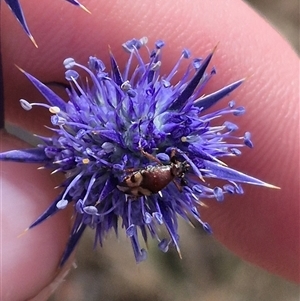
x: 209, y: 100
x: 190, y: 88
x: 229, y: 174
x: 73, y: 240
x: 51, y: 210
x: 15, y: 7
x: 32, y: 155
x: 53, y: 98
x: 77, y: 3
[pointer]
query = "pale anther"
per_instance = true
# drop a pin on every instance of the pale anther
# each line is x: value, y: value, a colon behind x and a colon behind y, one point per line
x: 25, y: 104
x: 54, y: 110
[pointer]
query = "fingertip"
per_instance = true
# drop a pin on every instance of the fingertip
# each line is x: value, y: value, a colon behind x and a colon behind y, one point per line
x: 31, y: 259
x: 246, y: 46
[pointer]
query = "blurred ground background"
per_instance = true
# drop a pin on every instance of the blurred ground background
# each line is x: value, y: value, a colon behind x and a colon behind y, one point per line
x: 207, y: 272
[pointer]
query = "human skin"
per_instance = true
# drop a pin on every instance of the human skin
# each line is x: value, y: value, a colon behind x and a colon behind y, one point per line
x: 261, y: 226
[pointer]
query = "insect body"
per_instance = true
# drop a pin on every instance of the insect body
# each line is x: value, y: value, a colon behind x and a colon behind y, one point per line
x: 154, y: 178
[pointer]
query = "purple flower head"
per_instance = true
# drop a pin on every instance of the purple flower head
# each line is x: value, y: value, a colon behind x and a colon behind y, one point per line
x: 136, y: 149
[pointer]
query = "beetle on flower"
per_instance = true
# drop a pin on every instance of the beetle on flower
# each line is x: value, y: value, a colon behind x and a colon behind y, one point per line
x: 137, y: 151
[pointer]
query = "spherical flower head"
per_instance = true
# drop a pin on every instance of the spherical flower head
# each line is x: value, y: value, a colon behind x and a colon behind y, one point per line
x: 137, y: 150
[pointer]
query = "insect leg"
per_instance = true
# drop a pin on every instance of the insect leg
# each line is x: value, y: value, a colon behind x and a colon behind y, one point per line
x: 130, y: 170
x: 150, y: 157
x: 178, y: 186
x: 172, y: 156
